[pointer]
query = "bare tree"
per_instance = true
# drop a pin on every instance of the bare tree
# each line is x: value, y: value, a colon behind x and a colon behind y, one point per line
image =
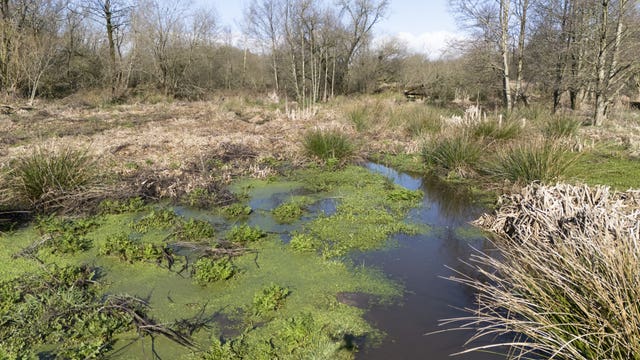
x: 114, y: 16
x: 263, y: 19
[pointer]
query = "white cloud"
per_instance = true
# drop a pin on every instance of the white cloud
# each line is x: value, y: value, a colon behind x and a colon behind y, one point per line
x: 433, y: 44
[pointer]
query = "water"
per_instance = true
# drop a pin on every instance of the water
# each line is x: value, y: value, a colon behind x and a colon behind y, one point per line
x: 420, y: 263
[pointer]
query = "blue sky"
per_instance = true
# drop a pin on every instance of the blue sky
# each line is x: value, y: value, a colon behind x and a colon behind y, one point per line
x: 424, y: 25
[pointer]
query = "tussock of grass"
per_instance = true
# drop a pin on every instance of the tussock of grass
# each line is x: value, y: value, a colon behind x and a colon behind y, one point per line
x: 45, y: 175
x: 454, y: 153
x: 419, y: 120
x: 565, y: 276
x: 494, y: 130
x: 327, y: 145
x: 543, y: 161
x: 561, y: 126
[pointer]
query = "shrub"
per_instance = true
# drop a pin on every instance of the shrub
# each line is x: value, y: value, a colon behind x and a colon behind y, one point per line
x: 45, y: 175
x: 207, y: 270
x: 327, y: 145
x: 533, y: 161
x: 453, y: 153
x: 561, y: 126
x: 271, y: 298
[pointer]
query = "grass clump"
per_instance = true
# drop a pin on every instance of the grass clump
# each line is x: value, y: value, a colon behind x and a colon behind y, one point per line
x: 45, y: 176
x: 565, y: 275
x: 495, y: 130
x: 328, y: 145
x: 533, y: 161
x: 359, y: 117
x: 419, y: 120
x: 561, y: 126
x: 269, y: 299
x: 207, y: 270
x: 244, y: 234
x: 457, y: 153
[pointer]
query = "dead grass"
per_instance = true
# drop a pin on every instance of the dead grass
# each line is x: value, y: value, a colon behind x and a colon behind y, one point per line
x: 563, y: 282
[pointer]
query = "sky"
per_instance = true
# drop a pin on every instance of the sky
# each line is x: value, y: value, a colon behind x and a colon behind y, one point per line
x: 424, y: 26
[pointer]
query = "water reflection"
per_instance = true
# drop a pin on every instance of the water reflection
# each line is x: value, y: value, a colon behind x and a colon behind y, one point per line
x: 420, y: 263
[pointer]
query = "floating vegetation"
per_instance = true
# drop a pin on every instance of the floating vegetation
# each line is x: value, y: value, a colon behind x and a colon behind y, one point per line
x: 291, y: 211
x: 123, y: 247
x: 63, y: 235
x: 207, y: 270
x: 236, y: 210
x: 109, y: 206
x: 271, y: 298
x: 156, y: 219
x: 244, y: 234
x: 193, y: 230
x: 61, y: 306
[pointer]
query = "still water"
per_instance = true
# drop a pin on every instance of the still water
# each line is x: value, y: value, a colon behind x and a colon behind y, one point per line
x: 420, y: 262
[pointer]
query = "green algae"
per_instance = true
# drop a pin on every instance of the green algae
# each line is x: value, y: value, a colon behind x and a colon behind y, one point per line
x: 309, y: 320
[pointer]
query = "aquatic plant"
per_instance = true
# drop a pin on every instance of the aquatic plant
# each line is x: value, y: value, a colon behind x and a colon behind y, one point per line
x: 65, y: 235
x: 207, y: 270
x: 288, y: 212
x: 123, y: 247
x: 327, y: 145
x: 564, y: 280
x: 304, y: 242
x: 60, y: 308
x: 43, y: 176
x: 109, y: 206
x: 236, y: 210
x: 543, y: 161
x: 156, y: 219
x: 245, y: 234
x: 269, y: 299
x: 193, y: 230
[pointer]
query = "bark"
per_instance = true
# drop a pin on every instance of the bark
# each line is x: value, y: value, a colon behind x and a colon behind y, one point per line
x: 504, y: 52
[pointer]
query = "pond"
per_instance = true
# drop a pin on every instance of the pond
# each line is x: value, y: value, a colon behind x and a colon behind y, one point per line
x: 328, y: 264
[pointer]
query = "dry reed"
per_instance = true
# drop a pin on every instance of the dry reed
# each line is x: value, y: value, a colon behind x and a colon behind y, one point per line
x: 564, y: 282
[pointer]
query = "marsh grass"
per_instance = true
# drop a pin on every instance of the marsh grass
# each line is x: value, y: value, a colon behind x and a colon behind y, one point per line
x: 536, y: 160
x: 327, y: 145
x: 561, y: 126
x: 564, y: 280
x: 419, y: 119
x: 493, y: 129
x: 45, y: 175
x: 453, y: 153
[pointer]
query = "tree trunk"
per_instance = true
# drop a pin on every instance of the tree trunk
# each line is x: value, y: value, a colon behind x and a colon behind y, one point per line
x: 504, y: 50
x: 521, y: 37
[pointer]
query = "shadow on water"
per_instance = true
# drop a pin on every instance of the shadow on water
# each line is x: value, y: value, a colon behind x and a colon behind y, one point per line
x: 420, y: 263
